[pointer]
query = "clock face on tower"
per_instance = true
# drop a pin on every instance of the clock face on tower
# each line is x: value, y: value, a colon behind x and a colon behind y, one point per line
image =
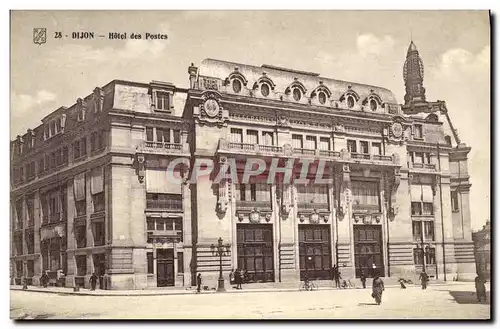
x: 397, y: 129
x: 211, y: 107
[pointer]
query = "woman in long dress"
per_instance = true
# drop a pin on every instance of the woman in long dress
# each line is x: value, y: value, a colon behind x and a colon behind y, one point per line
x: 377, y: 289
x: 480, y: 288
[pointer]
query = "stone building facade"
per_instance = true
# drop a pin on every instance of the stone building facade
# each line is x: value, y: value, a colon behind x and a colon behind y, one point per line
x: 90, y: 187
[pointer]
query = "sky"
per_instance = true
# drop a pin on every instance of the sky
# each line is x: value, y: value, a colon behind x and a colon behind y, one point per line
x: 359, y: 46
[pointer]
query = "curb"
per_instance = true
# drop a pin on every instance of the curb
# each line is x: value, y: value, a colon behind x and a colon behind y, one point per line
x: 193, y: 292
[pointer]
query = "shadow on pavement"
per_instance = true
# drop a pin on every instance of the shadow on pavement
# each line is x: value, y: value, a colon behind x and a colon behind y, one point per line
x: 364, y: 304
x: 468, y: 297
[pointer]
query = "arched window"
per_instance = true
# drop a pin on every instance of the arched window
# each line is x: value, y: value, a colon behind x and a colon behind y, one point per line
x: 373, y: 105
x: 297, y: 95
x: 322, y: 97
x: 447, y: 139
x: 350, y: 102
x: 264, y: 89
x: 236, y: 86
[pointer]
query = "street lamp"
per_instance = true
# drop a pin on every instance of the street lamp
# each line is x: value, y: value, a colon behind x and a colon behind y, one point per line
x: 220, y: 250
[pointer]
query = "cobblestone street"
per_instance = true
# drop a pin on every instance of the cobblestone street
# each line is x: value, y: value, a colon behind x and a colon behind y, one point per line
x: 452, y: 301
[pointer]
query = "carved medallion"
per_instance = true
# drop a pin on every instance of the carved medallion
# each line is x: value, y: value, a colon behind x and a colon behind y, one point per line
x: 397, y: 129
x: 211, y: 107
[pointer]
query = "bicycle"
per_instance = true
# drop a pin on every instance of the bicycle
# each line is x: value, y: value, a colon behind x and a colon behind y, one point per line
x: 308, y: 286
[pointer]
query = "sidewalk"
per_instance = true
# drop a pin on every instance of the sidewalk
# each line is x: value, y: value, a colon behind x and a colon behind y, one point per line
x: 192, y: 290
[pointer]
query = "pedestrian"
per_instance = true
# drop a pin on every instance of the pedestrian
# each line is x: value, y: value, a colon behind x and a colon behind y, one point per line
x: 25, y: 283
x: 231, y: 276
x: 44, y: 279
x: 363, y: 279
x: 402, y: 283
x: 377, y: 289
x: 237, y: 278
x: 480, y: 288
x: 424, y: 278
x: 93, y: 281
x: 198, y: 282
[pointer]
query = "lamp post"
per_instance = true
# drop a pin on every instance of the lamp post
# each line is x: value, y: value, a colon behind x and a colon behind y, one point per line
x: 220, y: 250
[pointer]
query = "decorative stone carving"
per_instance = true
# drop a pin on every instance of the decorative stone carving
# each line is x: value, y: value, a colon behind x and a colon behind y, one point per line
x: 254, y: 216
x: 344, y: 155
x: 340, y: 213
x: 287, y: 150
x: 223, y: 144
x: 141, y: 166
x: 282, y: 121
x: 339, y: 128
x: 395, y: 159
x: 210, y: 110
x: 98, y: 99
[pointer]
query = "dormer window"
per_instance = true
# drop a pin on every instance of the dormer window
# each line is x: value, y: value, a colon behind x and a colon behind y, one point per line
x: 162, y: 101
x: 322, y: 97
x: 350, y: 102
x: 236, y: 85
x: 373, y: 105
x: 417, y: 133
x: 81, y: 115
x: 264, y: 89
x: 297, y: 95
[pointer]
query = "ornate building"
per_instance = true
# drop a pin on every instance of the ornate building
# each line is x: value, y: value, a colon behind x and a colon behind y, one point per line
x: 90, y: 188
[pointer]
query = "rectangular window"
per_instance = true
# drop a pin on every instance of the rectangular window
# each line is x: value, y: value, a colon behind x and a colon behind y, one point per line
x: 80, y: 236
x: 162, y: 101
x: 418, y: 256
x: 98, y: 202
x: 253, y: 192
x: 267, y: 138
x: 252, y: 137
x: 101, y: 143
x: 30, y: 241
x: 83, y: 146
x: 418, y: 131
x: 164, y: 201
x: 180, y: 262
x: 41, y: 166
x: 417, y: 230
x: 150, y: 261
x: 430, y: 256
x: 65, y: 155
x: 351, y: 146
x: 76, y: 149
x: 30, y: 205
x: 149, y: 134
x: 363, y: 147
x: 20, y: 214
x: 236, y: 135
x: 454, y: 201
x: 365, y: 195
x: 427, y: 158
x: 81, y: 265
x: 324, y: 143
x: 58, y: 126
x: 428, y: 209
x: 429, y: 230
x: 160, y: 225
x: 81, y: 207
x: 416, y: 208
x: 311, y: 195
x: 163, y: 135
x: 93, y: 141
x: 52, y: 128
x: 242, y: 192
x: 376, y: 149
x: 419, y: 157
x: 99, y: 234
x: 177, y: 136
x: 311, y: 143
x: 297, y: 142
x: 30, y: 266
x: 150, y: 224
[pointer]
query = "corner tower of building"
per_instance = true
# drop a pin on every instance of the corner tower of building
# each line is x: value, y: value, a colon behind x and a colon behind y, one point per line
x: 413, y: 75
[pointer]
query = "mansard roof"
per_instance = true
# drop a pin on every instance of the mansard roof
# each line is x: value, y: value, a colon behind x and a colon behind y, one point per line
x: 283, y: 77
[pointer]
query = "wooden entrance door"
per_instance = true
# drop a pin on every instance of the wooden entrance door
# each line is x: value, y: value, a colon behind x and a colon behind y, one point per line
x: 255, y: 251
x: 368, y: 250
x: 315, y: 252
x: 165, y: 267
